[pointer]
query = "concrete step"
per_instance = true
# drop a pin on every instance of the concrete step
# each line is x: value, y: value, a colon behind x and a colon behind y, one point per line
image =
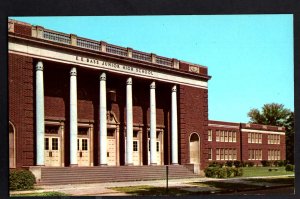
x: 75, y: 175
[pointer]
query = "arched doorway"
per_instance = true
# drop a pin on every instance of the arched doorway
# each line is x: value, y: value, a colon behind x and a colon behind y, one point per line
x: 194, y: 148
x: 12, y: 148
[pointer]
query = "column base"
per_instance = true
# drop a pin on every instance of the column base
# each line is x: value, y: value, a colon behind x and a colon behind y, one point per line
x: 103, y: 165
x: 129, y: 164
x: 73, y: 165
x: 153, y: 164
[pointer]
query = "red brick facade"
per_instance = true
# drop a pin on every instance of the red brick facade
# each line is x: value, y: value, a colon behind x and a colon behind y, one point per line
x: 192, y: 104
x: 259, y: 143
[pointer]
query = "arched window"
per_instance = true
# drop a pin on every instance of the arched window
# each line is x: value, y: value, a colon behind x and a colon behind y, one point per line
x: 12, y: 148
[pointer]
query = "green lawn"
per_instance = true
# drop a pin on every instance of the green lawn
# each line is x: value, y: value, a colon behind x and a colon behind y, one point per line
x: 284, y: 180
x: 40, y: 194
x: 264, y: 171
x: 146, y: 190
x: 228, y: 185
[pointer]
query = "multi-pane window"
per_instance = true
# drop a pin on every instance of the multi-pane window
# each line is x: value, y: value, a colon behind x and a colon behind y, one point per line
x: 135, y: 145
x: 209, y: 135
x: 46, y: 143
x: 273, y: 139
x: 226, y: 154
x: 255, y: 138
x: 54, y: 143
x: 254, y: 154
x: 217, y: 136
x: 225, y: 136
x: 210, y: 154
x: 273, y: 154
x: 233, y: 136
x: 84, y: 144
x: 229, y: 136
x: 222, y: 136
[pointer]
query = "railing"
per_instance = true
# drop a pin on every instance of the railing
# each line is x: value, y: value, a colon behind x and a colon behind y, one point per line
x: 57, y: 37
x: 73, y: 40
x: 89, y: 44
x: 116, y: 50
x: 164, y: 61
x: 141, y: 56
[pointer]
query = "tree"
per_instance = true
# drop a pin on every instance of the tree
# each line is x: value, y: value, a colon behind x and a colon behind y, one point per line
x: 275, y: 114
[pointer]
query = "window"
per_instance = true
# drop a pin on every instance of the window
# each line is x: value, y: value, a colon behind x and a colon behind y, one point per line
x: 210, y: 154
x: 157, y: 146
x: 226, y: 154
x: 217, y: 136
x: 226, y: 136
x: 46, y: 143
x: 209, y: 135
x: 135, y: 145
x: 84, y: 144
x: 77, y: 144
x: 222, y: 154
x: 218, y: 154
x: 54, y: 143
x: 234, y: 154
x: 249, y: 138
x: 229, y: 136
x: 234, y: 136
x: 222, y: 136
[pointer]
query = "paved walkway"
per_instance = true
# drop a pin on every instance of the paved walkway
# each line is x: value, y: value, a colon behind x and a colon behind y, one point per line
x: 102, y: 189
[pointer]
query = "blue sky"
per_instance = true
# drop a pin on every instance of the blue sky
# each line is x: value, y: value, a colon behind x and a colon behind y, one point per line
x: 250, y: 57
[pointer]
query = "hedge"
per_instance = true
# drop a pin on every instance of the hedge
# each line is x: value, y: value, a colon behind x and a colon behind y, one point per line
x: 224, y: 172
x: 21, y: 180
x: 289, y: 167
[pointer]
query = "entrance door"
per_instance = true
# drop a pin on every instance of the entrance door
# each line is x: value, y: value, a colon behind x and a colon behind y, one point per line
x: 52, y: 150
x: 83, y: 147
x: 111, y: 148
x: 83, y: 152
x: 159, y: 148
x: 194, y: 149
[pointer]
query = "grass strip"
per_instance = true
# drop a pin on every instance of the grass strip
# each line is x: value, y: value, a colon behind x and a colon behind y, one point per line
x: 52, y: 193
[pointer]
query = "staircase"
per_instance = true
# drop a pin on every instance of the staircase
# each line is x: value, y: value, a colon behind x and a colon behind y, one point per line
x: 80, y: 175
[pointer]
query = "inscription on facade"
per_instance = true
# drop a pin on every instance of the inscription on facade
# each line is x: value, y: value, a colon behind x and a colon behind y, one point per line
x: 111, y: 65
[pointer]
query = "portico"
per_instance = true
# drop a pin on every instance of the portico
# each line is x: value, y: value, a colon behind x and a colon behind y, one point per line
x: 80, y: 145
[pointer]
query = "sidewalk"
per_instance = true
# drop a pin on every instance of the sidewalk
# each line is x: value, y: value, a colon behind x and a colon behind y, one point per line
x: 102, y: 189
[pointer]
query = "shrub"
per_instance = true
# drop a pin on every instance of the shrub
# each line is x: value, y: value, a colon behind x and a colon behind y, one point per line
x: 222, y: 172
x: 237, y: 163
x: 276, y: 163
x: 289, y: 167
x: 237, y: 171
x: 211, y: 172
x: 21, y: 180
x: 229, y: 163
x: 250, y: 164
x: 265, y: 163
x: 229, y: 171
x: 281, y: 163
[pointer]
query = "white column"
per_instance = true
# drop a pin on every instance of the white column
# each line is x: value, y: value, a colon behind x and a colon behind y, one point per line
x: 40, y: 122
x: 129, y: 122
x: 152, y: 125
x: 73, y: 117
x: 174, y: 128
x: 103, y: 118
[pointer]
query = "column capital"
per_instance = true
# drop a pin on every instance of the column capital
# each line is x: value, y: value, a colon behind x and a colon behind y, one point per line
x: 73, y: 72
x: 39, y: 66
x: 129, y: 81
x: 103, y: 77
x: 152, y: 85
x: 174, y: 88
